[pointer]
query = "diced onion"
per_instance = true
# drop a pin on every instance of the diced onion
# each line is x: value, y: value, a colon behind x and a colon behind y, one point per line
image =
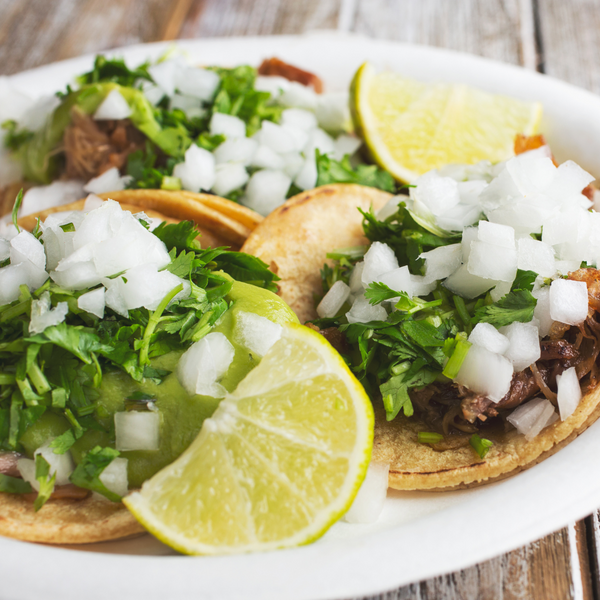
x: 369, y: 501
x: 137, y: 430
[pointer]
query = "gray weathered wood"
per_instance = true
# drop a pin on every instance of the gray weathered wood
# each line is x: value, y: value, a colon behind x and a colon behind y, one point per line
x: 491, y: 28
x: 37, y: 32
x: 209, y: 18
x: 570, y: 35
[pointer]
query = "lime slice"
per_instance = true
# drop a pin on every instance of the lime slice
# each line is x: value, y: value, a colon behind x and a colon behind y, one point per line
x: 281, y: 459
x: 412, y: 127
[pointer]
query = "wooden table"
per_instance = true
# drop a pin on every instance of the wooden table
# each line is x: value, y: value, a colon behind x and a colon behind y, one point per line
x: 557, y: 37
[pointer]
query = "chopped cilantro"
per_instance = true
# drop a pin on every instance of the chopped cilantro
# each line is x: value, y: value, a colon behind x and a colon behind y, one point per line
x: 480, y: 445
x: 427, y: 437
x: 14, y: 485
x: 517, y: 305
x: 42, y: 474
x: 87, y: 473
x: 341, y: 171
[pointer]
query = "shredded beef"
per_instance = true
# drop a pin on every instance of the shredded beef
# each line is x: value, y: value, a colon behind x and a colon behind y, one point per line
x: 92, y: 147
x: 275, y: 66
x: 558, y: 350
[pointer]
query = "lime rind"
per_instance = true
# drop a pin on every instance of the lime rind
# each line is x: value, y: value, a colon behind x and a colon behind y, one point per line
x: 219, y: 426
x: 410, y: 127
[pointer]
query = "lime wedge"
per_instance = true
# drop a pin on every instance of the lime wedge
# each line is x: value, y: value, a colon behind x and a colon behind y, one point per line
x: 281, y: 459
x: 412, y: 127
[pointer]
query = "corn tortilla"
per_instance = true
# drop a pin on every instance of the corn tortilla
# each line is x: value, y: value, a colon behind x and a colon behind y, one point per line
x: 294, y: 240
x: 296, y: 237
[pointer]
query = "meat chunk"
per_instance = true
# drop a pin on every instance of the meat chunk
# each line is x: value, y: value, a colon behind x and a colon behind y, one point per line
x: 92, y: 147
x: 275, y: 66
x: 558, y: 350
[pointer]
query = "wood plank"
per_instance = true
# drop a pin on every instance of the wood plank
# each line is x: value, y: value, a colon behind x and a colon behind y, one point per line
x: 539, y: 570
x: 210, y: 18
x: 570, y: 41
x: 491, y: 28
x: 37, y: 32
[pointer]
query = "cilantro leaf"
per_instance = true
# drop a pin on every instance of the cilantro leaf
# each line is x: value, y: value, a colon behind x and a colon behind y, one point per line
x: 524, y: 280
x: 87, y: 473
x: 517, y: 305
x: 114, y: 70
x: 395, y: 391
x: 181, y: 236
x: 341, y: 171
x: 14, y: 485
x: 63, y: 442
x: 42, y: 474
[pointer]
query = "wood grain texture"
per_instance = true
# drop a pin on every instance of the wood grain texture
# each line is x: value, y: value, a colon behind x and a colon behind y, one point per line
x: 571, y: 40
x: 491, y: 28
x: 36, y: 32
x: 210, y: 18
x: 537, y: 571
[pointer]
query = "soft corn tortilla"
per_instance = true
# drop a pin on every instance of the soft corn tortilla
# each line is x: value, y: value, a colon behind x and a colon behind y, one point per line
x: 294, y: 240
x: 222, y: 223
x: 296, y: 237
x: 66, y: 521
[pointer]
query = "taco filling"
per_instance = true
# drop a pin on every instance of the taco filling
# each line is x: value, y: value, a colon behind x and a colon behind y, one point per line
x: 118, y: 338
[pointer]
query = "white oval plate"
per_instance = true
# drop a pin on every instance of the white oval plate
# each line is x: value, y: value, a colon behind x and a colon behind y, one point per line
x: 419, y: 535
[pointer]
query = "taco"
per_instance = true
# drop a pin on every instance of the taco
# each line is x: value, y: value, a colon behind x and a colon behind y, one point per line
x: 81, y: 362
x: 457, y: 318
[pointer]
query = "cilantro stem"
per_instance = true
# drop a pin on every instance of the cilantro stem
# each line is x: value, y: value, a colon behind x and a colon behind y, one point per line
x: 153, y: 322
x: 38, y: 378
x: 458, y: 356
x: 6, y: 379
x: 15, y: 210
x: 480, y: 445
x: 15, y: 311
x: 16, y: 403
x: 427, y: 437
x: 463, y: 313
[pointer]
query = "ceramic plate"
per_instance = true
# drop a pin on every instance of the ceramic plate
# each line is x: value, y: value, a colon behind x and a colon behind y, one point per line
x: 419, y: 535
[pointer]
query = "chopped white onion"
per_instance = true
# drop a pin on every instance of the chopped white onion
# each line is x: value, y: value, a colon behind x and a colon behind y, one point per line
x: 198, y: 171
x: 43, y: 197
x: 486, y: 372
x: 43, y: 316
x: 93, y: 302
x: 229, y: 177
x: 369, y: 501
x: 266, y: 190
x: 238, y: 150
x: 363, y: 311
x: 114, y: 476
x: 137, y: 430
x: 256, y: 333
x: 530, y: 418
x: 227, y: 125
x: 568, y: 301
x: 524, y: 347
x: 569, y: 392
x: 114, y: 106
x: 204, y: 363
x: 60, y: 464
x: 333, y: 300
x: 197, y: 82
x: 488, y: 337
x: 379, y: 259
x: 109, y: 181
